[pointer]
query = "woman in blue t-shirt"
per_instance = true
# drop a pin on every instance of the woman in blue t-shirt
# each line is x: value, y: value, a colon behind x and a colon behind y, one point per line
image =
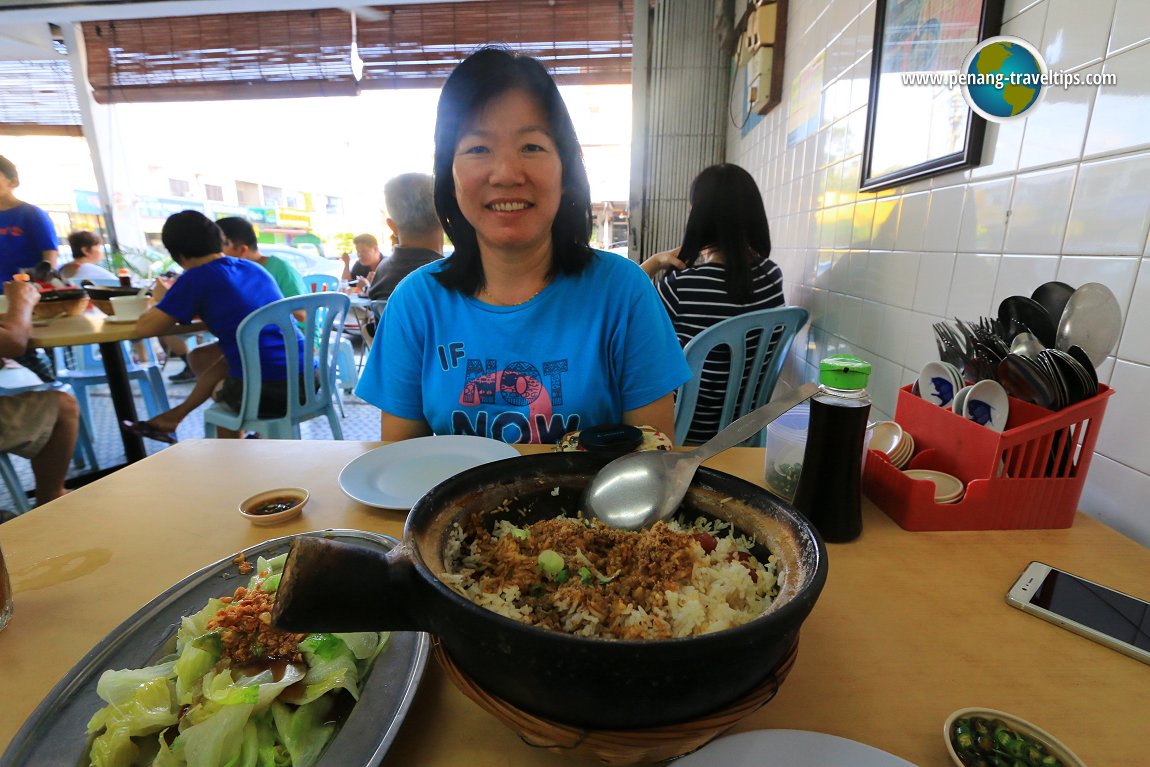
x: 221, y: 291
x: 525, y: 333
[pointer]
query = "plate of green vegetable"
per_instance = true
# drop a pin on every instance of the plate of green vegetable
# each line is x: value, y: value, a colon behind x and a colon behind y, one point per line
x: 187, y: 681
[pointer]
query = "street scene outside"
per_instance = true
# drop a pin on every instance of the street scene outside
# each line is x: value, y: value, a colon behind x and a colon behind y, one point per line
x: 308, y: 173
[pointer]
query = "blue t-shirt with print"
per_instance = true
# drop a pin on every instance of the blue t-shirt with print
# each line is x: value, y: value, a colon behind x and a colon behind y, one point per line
x: 25, y: 233
x: 222, y: 293
x: 585, y: 350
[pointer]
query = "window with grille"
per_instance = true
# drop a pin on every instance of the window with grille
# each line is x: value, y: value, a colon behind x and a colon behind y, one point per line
x: 248, y: 194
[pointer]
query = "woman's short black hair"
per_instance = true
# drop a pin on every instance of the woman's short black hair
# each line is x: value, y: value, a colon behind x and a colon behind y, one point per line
x: 480, y: 78
x: 727, y: 215
x: 81, y: 240
x: 191, y: 234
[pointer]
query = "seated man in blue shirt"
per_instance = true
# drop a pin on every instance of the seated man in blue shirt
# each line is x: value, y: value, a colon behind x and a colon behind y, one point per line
x: 221, y: 291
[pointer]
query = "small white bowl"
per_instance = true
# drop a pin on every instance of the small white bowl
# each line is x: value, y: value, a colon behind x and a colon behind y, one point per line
x: 947, y: 488
x: 960, y: 399
x: 885, y: 437
x: 1018, y: 725
x: 289, y: 503
x: 987, y: 404
x: 937, y: 383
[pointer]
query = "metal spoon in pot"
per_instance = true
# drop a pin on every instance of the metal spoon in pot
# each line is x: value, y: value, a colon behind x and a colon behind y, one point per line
x: 639, y: 489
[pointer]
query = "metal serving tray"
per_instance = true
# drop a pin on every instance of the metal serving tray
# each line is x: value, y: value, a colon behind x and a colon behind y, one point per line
x: 55, y: 733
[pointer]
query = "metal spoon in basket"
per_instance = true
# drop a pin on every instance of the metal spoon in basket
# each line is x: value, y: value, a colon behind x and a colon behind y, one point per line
x: 639, y: 489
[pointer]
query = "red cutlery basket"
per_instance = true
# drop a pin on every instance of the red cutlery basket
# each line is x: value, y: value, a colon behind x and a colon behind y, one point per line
x: 1028, y: 476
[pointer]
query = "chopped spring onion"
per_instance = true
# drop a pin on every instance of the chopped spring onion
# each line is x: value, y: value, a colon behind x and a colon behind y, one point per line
x: 550, y: 562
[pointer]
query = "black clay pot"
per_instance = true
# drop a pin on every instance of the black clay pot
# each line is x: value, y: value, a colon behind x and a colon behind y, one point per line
x: 595, y: 683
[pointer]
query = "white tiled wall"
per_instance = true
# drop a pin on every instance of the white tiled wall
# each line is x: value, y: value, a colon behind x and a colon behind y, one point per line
x: 1061, y: 194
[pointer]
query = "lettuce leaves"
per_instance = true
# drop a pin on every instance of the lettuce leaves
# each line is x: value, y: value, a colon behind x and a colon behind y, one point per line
x: 193, y: 709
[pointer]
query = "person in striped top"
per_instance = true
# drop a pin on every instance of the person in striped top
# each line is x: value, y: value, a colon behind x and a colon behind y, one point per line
x: 722, y: 269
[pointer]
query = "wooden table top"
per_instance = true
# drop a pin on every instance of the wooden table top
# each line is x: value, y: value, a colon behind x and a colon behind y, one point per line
x: 910, y: 626
x: 94, y: 327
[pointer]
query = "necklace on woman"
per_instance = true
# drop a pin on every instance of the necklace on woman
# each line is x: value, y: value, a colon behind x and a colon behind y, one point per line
x: 497, y: 302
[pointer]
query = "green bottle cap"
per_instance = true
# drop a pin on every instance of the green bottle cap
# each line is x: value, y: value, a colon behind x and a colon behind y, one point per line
x: 844, y: 372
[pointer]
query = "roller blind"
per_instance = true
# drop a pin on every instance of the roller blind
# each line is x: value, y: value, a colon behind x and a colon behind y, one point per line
x: 225, y: 56
x: 308, y: 53
x: 579, y: 41
x: 39, y: 98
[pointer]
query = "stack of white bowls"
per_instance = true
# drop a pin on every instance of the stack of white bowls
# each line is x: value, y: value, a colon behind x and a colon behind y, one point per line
x: 890, y: 438
x: 939, y: 382
x: 947, y: 488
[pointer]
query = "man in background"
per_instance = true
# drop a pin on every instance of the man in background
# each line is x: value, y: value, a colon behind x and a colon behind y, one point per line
x: 38, y: 425
x: 27, y: 236
x: 367, y: 259
x: 240, y: 242
x: 410, y: 200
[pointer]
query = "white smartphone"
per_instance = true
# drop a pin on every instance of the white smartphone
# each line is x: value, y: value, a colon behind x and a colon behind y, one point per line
x: 1117, y: 620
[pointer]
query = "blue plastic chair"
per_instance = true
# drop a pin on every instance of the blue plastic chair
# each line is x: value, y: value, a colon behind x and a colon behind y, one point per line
x: 15, y: 488
x: 346, y: 370
x: 326, y: 313
x: 89, y: 372
x: 321, y: 283
x: 760, y: 371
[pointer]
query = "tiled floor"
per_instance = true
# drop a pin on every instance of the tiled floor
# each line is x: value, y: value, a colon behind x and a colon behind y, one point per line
x: 360, y: 423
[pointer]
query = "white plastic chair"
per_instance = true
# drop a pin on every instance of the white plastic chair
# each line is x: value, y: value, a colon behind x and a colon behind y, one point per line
x: 326, y: 313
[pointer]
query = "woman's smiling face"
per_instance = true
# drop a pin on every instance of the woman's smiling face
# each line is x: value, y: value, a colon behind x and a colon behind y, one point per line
x: 508, y: 175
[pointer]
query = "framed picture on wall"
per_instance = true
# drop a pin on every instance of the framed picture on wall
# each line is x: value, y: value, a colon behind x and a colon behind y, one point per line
x: 918, y: 123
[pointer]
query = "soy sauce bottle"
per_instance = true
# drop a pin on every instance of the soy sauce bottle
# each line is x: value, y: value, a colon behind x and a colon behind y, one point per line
x: 830, y: 484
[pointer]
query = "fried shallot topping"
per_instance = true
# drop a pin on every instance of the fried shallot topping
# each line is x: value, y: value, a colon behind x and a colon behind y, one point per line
x: 627, y: 568
x: 247, y: 633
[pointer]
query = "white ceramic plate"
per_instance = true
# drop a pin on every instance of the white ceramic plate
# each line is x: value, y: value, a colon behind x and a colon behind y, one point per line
x: 788, y: 748
x: 120, y: 320
x: 395, y: 476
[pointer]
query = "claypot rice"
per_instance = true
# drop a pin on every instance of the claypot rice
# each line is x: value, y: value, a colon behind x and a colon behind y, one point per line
x: 575, y: 575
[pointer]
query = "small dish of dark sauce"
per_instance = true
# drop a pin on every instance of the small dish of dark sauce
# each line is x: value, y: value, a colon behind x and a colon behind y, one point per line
x: 274, y: 506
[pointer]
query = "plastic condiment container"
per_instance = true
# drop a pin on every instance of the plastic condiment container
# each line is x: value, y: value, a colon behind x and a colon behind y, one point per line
x: 786, y: 440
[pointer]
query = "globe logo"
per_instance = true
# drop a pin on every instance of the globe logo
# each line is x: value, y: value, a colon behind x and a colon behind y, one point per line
x: 1004, y: 78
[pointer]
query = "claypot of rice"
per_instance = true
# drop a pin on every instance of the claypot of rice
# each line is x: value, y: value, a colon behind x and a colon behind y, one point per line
x: 584, y: 681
